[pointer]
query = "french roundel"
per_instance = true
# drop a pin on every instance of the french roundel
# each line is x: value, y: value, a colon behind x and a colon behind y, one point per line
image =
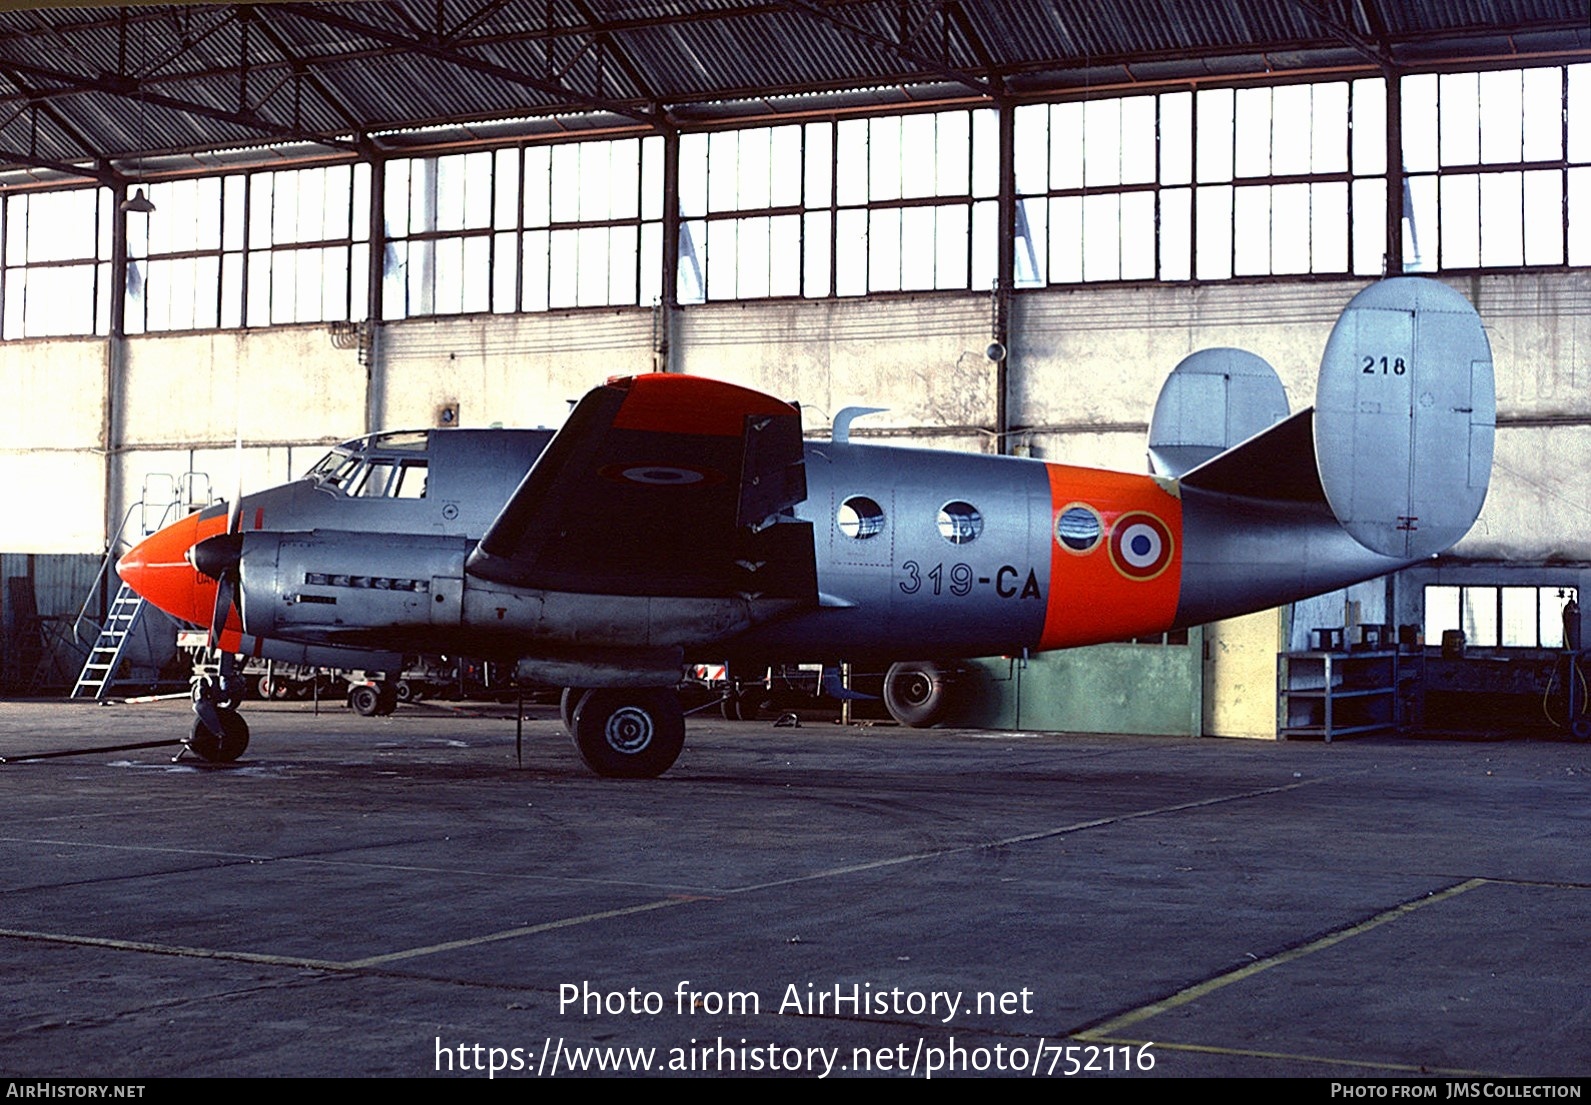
x: 1140, y: 545
x: 661, y: 475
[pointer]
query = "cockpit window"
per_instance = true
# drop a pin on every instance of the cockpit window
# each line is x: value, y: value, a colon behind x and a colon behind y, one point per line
x: 380, y: 478
x: 360, y: 469
x: 335, y: 470
x: 373, y: 481
x: 409, y: 481
x: 326, y: 465
x: 405, y: 441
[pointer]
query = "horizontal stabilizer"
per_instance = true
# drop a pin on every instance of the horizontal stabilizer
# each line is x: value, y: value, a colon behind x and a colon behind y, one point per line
x: 1406, y: 411
x: 1276, y: 464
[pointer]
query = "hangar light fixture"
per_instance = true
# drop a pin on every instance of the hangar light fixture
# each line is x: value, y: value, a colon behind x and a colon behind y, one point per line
x: 139, y: 203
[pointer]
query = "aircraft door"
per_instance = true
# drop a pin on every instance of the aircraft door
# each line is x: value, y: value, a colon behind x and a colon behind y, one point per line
x: 447, y: 600
x: 861, y: 527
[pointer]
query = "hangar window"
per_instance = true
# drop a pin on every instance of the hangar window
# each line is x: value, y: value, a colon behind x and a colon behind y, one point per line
x: 1499, y: 168
x: 533, y: 228
x: 893, y: 203
x: 1498, y: 617
x: 254, y: 249
x: 960, y: 523
x: 56, y: 277
x: 1206, y: 185
x: 860, y: 517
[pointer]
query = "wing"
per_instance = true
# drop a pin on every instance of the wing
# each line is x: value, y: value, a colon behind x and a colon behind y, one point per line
x: 661, y: 485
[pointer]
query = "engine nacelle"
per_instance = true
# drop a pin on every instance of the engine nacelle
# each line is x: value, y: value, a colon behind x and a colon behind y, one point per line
x: 329, y: 579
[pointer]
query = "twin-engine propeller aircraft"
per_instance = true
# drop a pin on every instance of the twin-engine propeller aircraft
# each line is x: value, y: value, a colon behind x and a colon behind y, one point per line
x: 675, y: 519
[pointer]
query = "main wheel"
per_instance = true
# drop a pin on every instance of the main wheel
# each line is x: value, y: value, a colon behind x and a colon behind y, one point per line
x: 386, y: 698
x: 567, y: 701
x: 232, y: 742
x: 918, y: 692
x: 629, y: 734
x: 742, y: 705
x: 364, y: 700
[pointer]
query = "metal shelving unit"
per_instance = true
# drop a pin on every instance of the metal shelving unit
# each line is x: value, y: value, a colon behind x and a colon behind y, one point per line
x: 1325, y: 695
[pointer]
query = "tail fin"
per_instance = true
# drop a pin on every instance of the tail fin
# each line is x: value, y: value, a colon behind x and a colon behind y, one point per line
x: 1389, y: 467
x: 1405, y: 413
x: 1212, y: 400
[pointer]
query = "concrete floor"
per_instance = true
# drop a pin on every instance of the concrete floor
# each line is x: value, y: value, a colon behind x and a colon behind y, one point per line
x: 380, y: 896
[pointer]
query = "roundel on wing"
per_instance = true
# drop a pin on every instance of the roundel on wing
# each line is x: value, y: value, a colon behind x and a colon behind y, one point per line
x: 1140, y: 545
x: 661, y: 475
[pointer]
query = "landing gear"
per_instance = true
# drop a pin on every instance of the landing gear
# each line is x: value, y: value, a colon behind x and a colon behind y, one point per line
x: 627, y: 734
x: 219, y: 734
x: 373, y: 699
x: 919, y: 693
x: 222, y: 747
x: 742, y: 704
x: 566, y: 706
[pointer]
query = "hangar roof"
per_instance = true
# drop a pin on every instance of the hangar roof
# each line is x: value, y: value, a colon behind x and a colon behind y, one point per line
x: 148, y: 89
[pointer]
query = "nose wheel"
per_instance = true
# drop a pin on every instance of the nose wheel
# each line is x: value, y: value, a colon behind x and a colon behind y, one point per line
x: 219, y: 734
x: 219, y: 747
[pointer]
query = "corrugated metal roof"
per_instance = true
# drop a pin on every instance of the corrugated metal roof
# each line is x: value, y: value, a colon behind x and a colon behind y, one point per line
x: 113, y: 90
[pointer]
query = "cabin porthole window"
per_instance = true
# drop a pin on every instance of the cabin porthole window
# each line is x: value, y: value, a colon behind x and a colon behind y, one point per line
x: 1078, y: 529
x: 860, y: 518
x: 959, y: 522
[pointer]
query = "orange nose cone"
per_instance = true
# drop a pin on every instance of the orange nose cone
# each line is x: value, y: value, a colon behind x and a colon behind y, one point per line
x: 158, y: 569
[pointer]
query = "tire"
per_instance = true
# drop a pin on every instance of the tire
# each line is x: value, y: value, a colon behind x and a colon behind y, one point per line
x: 567, y: 701
x: 918, y: 693
x: 406, y: 691
x: 386, y: 698
x: 629, y: 734
x: 231, y: 744
x: 364, y: 700
x: 743, y: 705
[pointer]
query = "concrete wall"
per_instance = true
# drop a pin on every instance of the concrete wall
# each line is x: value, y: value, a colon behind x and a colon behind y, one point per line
x: 93, y: 427
x: 1539, y: 505
x: 1084, y: 371
x: 52, y: 445
x: 920, y: 357
x: 1087, y: 365
x: 515, y: 370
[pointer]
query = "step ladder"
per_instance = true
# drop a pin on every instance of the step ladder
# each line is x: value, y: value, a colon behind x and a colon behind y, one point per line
x: 99, y: 672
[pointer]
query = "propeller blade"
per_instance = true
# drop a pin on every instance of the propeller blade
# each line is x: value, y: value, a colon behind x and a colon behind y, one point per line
x: 223, y: 606
x: 220, y: 558
x: 234, y: 510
